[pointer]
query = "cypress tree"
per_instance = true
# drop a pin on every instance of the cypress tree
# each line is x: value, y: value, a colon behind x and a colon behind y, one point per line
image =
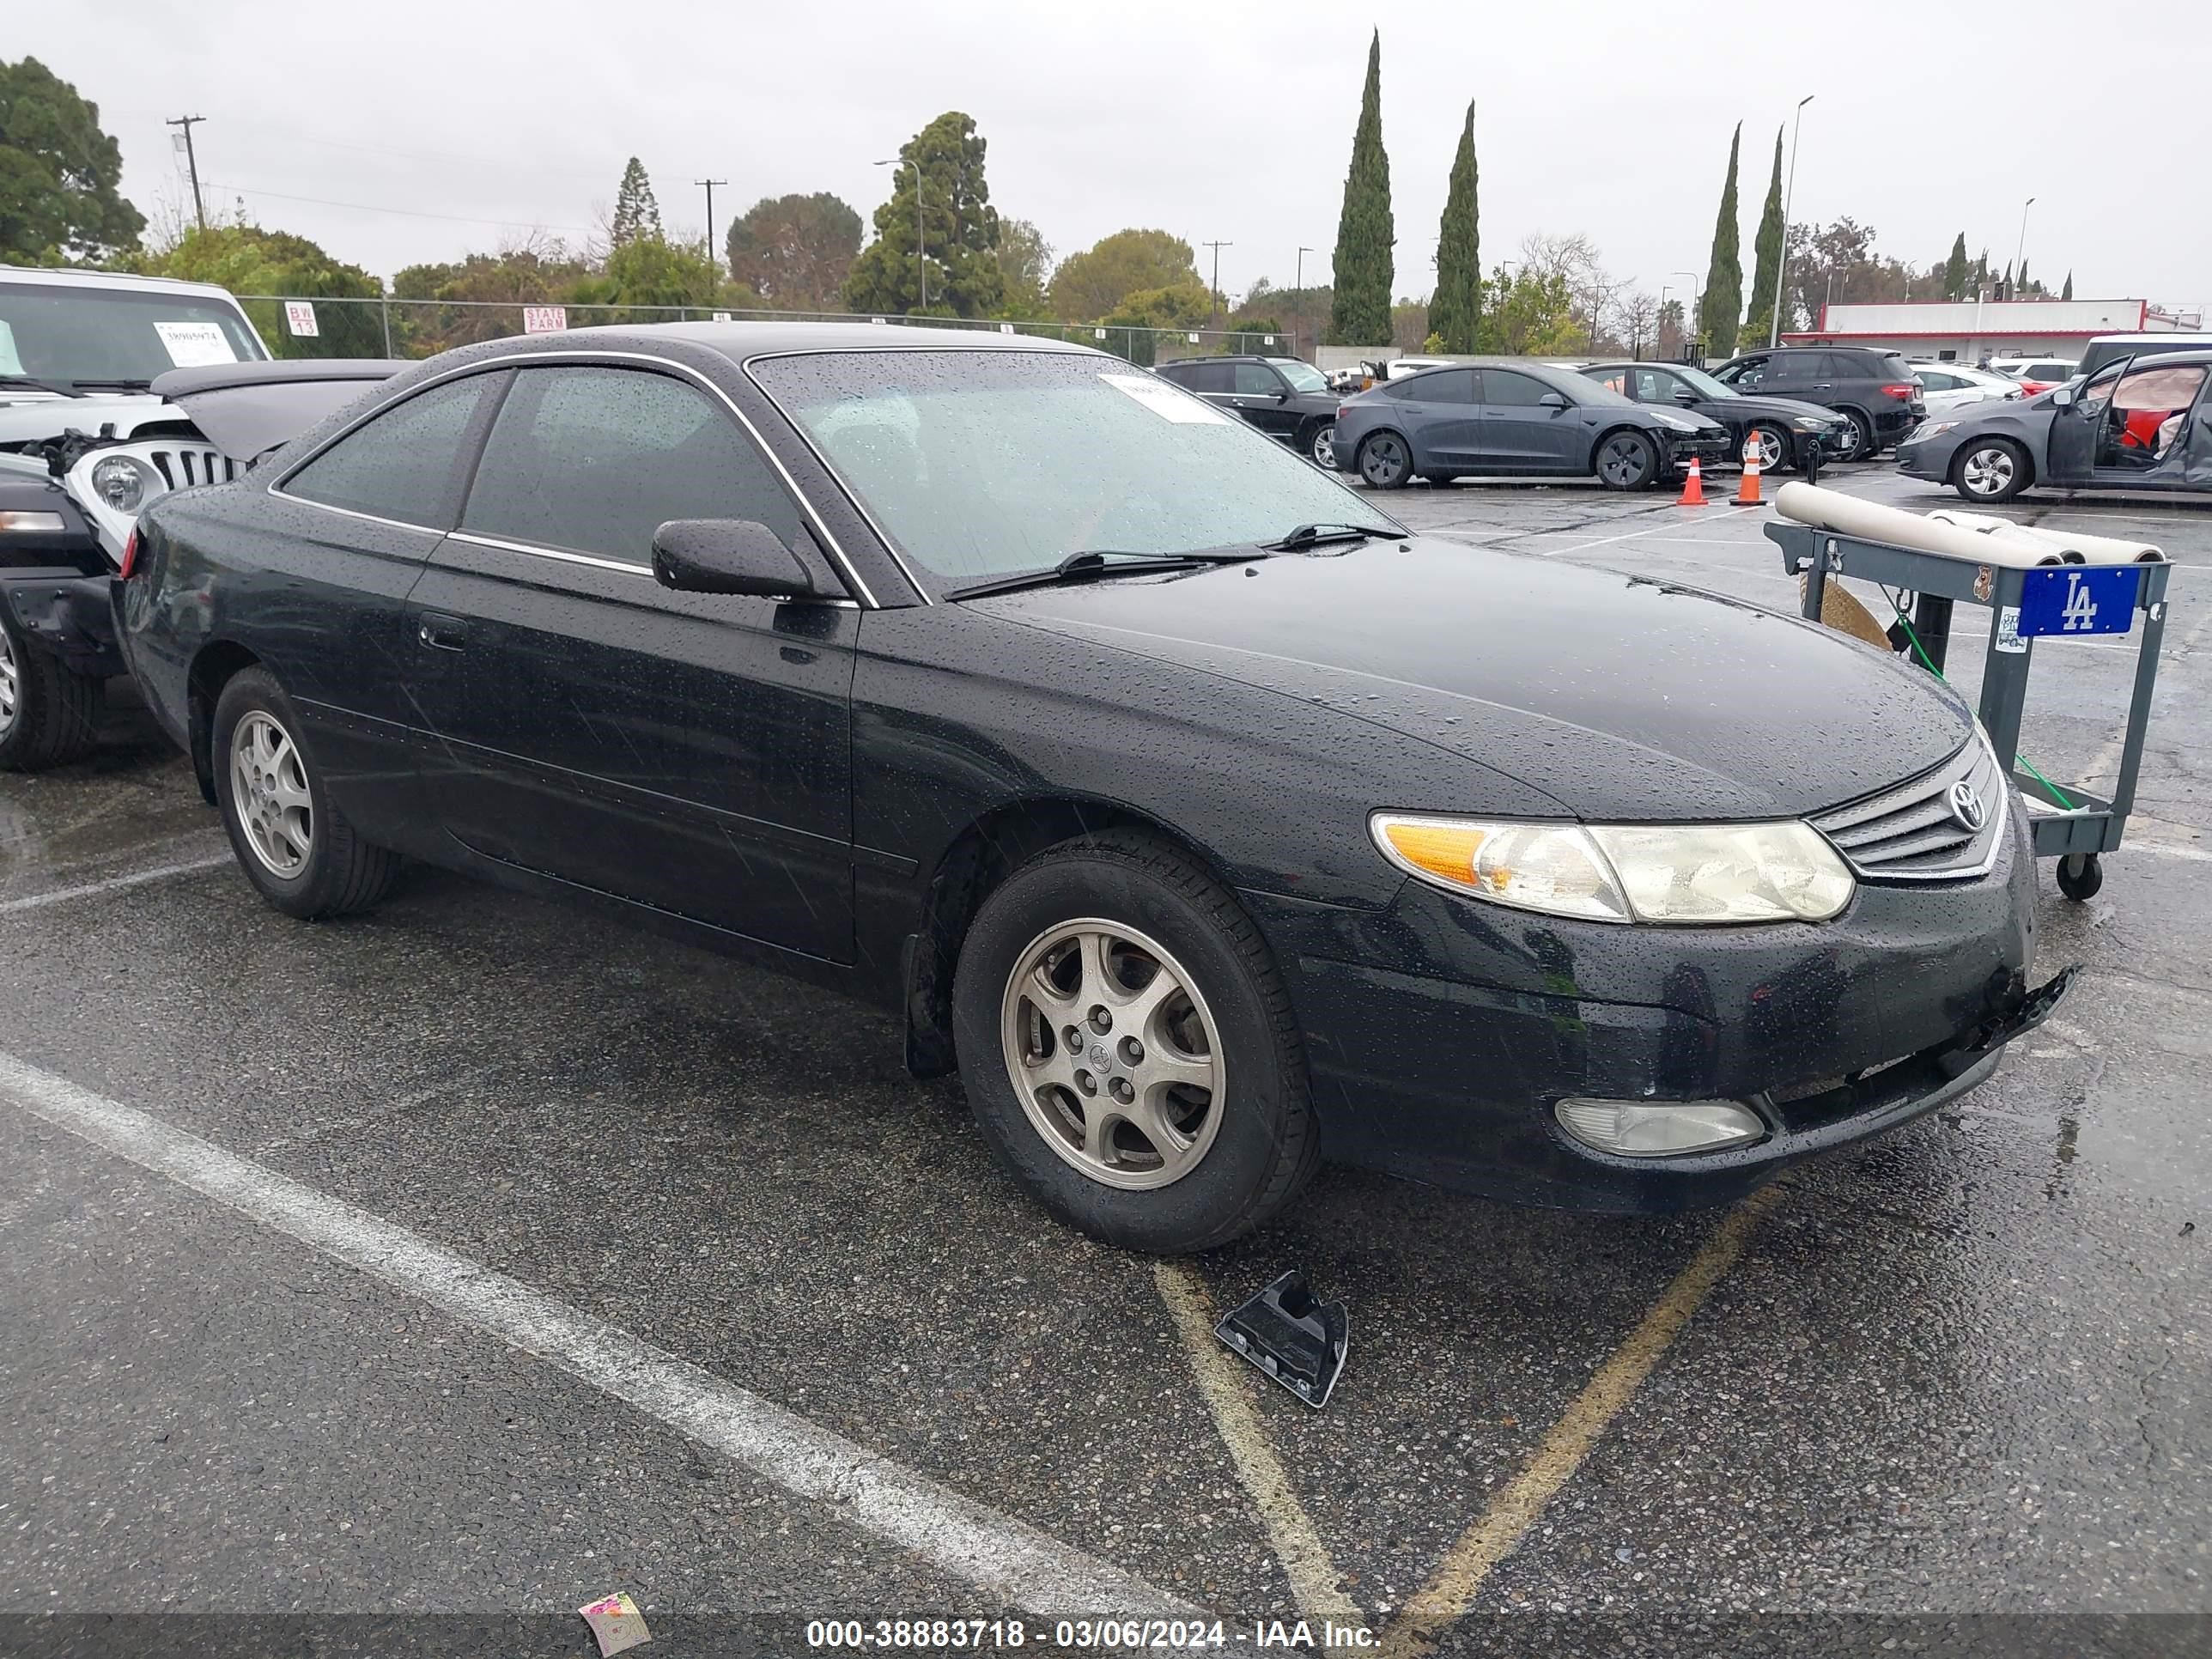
x: 1359, y: 311
x: 636, y: 214
x: 2068, y: 292
x: 1767, y: 275
x: 1456, y: 309
x: 1954, y: 269
x: 2024, y: 289
x: 1723, y: 301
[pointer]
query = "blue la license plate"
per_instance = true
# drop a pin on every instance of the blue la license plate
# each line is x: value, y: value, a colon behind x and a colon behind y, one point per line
x: 2073, y: 600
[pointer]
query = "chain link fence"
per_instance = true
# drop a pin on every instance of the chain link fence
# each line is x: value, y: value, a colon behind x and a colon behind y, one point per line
x: 297, y: 325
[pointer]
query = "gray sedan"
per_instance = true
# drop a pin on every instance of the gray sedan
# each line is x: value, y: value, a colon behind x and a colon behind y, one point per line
x: 1515, y: 418
x: 2142, y: 423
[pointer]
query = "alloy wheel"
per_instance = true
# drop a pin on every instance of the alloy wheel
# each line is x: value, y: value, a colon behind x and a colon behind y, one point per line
x: 1987, y: 471
x: 269, y: 793
x: 1383, y: 461
x: 1324, y: 448
x: 1846, y: 443
x: 11, y: 683
x: 1114, y: 1055
x: 1770, y: 447
x: 1624, y: 461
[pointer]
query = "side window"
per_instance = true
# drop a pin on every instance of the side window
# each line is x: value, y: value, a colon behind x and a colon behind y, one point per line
x: 596, y: 459
x: 1613, y: 379
x: 1934, y: 379
x: 403, y: 464
x: 1255, y: 381
x: 1654, y: 385
x: 1206, y: 377
x: 1747, y: 374
x: 1503, y: 387
x: 1450, y: 385
x: 2099, y: 392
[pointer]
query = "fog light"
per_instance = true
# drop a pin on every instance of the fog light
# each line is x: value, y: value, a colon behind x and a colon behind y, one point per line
x: 1659, y: 1128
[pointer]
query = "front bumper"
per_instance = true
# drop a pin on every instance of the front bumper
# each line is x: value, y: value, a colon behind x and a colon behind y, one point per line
x: 67, y: 613
x: 1441, y: 1032
x: 1930, y: 459
x: 1707, y: 449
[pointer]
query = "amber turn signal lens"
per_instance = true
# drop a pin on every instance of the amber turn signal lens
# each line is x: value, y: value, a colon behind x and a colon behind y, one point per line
x: 1444, y: 850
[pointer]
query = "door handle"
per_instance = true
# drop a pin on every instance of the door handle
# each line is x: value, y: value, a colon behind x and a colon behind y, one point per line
x: 442, y: 633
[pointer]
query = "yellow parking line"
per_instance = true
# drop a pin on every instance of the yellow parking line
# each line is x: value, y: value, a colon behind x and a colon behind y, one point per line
x: 1450, y: 1591
x: 1314, y: 1578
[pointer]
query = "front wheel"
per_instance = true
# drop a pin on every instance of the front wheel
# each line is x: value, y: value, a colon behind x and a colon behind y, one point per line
x: 1321, y: 445
x: 1989, y: 469
x: 1129, y: 1049
x: 1384, y: 461
x: 294, y: 846
x: 1627, y: 460
x: 1773, y: 444
x: 48, y: 715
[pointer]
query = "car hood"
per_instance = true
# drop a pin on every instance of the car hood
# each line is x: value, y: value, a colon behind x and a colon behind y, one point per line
x: 1780, y: 409
x: 1623, y: 698
x: 31, y: 416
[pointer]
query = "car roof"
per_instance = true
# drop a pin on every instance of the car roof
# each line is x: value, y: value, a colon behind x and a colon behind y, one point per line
x: 2147, y: 334
x: 71, y: 277
x: 741, y: 341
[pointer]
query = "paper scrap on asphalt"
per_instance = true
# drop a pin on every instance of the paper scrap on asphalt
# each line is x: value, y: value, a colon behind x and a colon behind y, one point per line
x: 617, y: 1622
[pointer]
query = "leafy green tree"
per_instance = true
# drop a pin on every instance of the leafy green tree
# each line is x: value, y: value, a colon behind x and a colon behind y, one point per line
x: 58, y: 173
x: 1456, y: 309
x: 1360, y: 310
x: 1767, y: 270
x: 1529, y: 312
x: 247, y: 259
x: 1024, y: 265
x: 795, y: 251
x: 2066, y: 293
x: 1179, y: 306
x: 1723, y: 301
x: 959, y: 230
x: 1090, y: 284
x: 653, y: 271
x: 541, y: 273
x: 636, y: 213
x: 2026, y: 287
x: 1955, y: 270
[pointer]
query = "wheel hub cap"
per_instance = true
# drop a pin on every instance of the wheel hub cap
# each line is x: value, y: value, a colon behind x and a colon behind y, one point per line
x: 268, y: 789
x: 1112, y: 1053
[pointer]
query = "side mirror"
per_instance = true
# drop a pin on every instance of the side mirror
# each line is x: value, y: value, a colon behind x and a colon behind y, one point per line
x: 1684, y: 395
x: 729, y: 556
x: 2061, y: 396
x: 1284, y: 396
x: 1553, y: 400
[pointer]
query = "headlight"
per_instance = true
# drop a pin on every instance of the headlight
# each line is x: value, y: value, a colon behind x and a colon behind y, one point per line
x: 1675, y: 422
x: 1672, y: 874
x: 123, y: 481
x: 1927, y: 429
x: 1811, y: 423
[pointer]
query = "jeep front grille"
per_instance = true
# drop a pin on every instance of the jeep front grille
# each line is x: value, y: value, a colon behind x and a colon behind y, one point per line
x: 182, y: 466
x: 1912, y: 833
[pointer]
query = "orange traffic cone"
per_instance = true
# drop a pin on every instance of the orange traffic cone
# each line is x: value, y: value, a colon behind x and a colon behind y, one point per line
x: 1746, y: 493
x: 1693, y: 487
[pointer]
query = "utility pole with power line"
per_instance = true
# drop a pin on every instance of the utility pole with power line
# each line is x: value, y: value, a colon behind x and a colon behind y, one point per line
x: 192, y: 164
x: 710, y: 184
x: 1217, y: 248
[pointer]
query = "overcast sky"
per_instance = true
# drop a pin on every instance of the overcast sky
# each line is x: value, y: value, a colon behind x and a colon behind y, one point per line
x: 1225, y: 120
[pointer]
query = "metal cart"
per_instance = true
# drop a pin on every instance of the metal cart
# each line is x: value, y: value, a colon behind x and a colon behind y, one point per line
x: 2069, y: 824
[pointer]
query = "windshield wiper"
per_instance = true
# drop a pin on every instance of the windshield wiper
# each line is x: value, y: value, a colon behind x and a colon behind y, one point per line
x: 118, y: 386
x: 1313, y: 535
x: 38, y: 384
x: 1095, y: 561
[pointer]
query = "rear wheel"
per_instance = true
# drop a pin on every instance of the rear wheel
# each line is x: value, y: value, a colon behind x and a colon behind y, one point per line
x: 1384, y: 461
x: 1320, y: 444
x: 1129, y: 1049
x: 294, y: 845
x: 1627, y: 460
x: 1989, y: 469
x: 48, y: 715
x: 1860, y: 443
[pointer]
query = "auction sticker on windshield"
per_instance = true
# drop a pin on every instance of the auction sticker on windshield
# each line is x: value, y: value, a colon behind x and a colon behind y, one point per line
x: 1164, y: 401
x: 193, y: 345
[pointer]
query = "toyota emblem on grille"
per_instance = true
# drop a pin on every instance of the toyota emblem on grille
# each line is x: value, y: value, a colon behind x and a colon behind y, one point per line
x: 1966, y: 806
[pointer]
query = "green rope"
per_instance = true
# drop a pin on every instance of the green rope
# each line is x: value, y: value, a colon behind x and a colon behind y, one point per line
x: 2056, y: 794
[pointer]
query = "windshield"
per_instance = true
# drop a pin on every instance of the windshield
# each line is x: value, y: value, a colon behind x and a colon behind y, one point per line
x: 100, y: 336
x: 1702, y: 383
x: 985, y: 464
x: 1303, y: 377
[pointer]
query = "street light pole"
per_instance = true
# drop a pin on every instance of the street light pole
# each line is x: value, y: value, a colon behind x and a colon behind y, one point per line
x: 1298, y: 288
x: 710, y: 184
x: 2020, y: 254
x: 1789, y: 207
x: 921, y: 244
x: 1690, y: 317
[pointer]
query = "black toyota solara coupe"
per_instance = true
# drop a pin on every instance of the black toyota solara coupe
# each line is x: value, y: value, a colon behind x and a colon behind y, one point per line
x: 1205, y: 821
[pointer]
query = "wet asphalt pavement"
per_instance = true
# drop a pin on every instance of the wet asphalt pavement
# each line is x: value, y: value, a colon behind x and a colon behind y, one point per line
x: 1960, y: 1369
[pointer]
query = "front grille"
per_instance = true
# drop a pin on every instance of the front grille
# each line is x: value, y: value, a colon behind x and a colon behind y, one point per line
x: 185, y: 465
x: 1912, y: 832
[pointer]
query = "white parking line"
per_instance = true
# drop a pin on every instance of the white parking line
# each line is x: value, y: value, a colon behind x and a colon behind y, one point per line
x: 980, y: 1545
x: 112, y: 884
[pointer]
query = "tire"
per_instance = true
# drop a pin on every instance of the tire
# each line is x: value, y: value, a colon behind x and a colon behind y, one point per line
x: 1863, y: 440
x: 1233, y: 1150
x: 2081, y: 875
x: 1987, y: 470
x: 1318, y: 445
x: 1626, y: 460
x: 1776, y: 453
x: 49, y: 715
x: 1384, y: 460
x: 295, y: 847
